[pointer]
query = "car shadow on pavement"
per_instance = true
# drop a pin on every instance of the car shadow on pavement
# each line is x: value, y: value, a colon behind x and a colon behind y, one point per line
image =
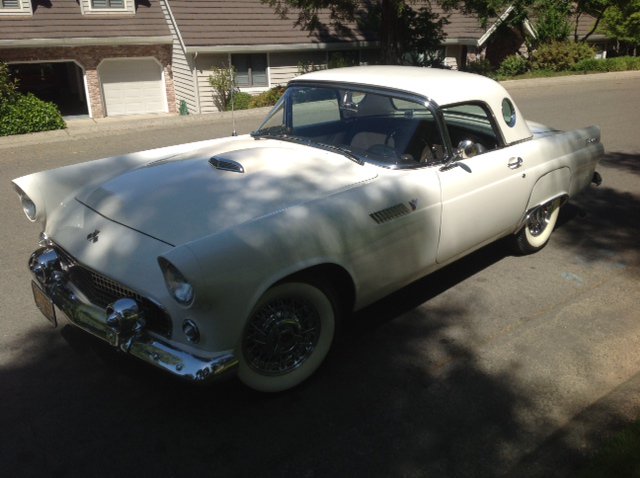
x: 602, y: 223
x: 624, y: 161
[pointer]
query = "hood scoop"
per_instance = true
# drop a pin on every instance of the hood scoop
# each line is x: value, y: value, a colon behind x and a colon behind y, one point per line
x: 226, y: 164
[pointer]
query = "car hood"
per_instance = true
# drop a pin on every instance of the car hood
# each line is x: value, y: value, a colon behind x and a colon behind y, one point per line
x: 199, y: 193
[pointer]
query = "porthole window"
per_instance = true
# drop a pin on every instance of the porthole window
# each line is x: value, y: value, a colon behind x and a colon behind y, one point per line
x: 508, y: 112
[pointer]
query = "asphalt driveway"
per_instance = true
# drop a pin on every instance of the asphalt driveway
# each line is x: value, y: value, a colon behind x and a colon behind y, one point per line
x: 495, y: 366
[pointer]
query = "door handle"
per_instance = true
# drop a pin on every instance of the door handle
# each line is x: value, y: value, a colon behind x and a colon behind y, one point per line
x: 515, y: 163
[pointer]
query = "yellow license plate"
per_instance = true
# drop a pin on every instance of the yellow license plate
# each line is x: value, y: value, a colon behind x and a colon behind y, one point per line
x: 44, y: 303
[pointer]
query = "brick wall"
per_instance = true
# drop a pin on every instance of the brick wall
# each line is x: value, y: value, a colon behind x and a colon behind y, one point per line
x: 89, y: 57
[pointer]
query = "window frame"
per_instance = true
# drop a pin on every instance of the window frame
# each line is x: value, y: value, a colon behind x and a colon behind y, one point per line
x: 497, y: 131
x: 88, y: 7
x: 250, y: 70
x: 21, y: 8
x: 108, y: 5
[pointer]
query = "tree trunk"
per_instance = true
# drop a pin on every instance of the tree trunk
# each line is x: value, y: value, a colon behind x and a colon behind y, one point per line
x: 389, y: 32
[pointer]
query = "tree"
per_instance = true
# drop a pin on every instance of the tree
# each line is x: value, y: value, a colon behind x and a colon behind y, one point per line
x: 401, y: 27
x: 597, y: 9
x: 622, y: 23
x: 8, y: 86
x: 551, y: 20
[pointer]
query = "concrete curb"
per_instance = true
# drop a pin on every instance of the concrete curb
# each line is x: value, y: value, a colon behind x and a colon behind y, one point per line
x: 88, y: 127
x: 568, y: 79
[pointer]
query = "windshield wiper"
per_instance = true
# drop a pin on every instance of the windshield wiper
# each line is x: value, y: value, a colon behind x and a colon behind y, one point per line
x: 281, y: 133
x: 341, y: 150
x: 271, y: 132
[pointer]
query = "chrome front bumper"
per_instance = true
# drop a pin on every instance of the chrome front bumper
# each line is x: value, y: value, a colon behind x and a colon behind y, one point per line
x: 122, y: 324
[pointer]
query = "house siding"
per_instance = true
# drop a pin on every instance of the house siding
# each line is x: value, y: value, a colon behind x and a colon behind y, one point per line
x: 204, y: 69
x: 286, y: 66
x: 183, y: 68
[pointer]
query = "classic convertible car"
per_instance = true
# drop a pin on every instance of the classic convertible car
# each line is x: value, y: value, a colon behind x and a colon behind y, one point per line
x: 242, y: 254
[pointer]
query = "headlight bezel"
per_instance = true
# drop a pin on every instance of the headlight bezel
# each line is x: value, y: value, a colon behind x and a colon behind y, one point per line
x: 28, y: 206
x: 178, y: 286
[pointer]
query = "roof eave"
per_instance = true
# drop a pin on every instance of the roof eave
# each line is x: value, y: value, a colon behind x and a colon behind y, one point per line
x: 279, y: 47
x: 88, y: 41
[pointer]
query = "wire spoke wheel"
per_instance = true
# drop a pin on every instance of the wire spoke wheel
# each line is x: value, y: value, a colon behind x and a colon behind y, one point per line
x: 287, y: 336
x: 281, y: 336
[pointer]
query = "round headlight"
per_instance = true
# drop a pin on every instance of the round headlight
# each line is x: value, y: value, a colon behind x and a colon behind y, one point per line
x: 178, y: 286
x: 28, y: 206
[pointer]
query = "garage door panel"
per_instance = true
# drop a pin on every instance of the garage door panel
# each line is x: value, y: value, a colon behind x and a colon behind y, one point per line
x: 133, y: 86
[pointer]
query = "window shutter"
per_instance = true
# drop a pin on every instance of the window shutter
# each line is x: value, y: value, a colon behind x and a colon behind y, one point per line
x: 107, y: 3
x: 10, y: 3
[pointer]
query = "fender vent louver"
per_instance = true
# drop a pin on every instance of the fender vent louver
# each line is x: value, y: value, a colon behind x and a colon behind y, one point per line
x: 390, y: 213
x: 226, y: 164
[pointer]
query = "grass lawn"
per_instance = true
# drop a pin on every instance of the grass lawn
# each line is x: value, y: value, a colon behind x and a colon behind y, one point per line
x: 620, y: 457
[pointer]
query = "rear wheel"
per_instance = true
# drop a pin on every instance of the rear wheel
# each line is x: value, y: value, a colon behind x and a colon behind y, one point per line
x: 538, y: 228
x: 287, y: 336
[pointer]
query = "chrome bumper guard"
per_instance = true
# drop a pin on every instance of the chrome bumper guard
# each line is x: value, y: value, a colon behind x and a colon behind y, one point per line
x: 122, y: 324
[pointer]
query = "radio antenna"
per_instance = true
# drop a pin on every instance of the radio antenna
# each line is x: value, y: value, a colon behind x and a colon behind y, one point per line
x: 233, y: 89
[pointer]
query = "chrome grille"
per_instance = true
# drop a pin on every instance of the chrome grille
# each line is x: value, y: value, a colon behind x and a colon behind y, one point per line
x: 101, y: 291
x: 111, y: 290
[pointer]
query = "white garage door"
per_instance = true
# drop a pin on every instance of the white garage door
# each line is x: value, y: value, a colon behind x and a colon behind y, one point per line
x: 132, y: 86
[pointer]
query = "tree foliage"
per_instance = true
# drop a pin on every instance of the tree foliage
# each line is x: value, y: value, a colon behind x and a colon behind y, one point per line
x: 8, y: 86
x: 551, y: 20
x: 402, y: 25
x: 622, y: 23
x: 222, y: 81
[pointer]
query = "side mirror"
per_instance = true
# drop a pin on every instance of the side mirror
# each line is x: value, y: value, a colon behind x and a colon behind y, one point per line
x: 467, y: 149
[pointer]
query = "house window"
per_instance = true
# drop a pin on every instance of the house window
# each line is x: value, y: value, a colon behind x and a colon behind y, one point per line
x: 10, y: 3
x: 251, y: 70
x: 107, y: 4
x: 338, y: 59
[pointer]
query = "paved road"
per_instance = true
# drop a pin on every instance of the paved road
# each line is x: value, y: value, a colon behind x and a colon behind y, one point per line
x: 497, y: 365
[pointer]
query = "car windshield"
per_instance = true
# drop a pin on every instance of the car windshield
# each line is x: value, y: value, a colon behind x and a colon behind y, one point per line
x: 392, y: 131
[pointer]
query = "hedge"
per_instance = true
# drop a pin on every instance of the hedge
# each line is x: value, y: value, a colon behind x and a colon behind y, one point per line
x: 29, y: 114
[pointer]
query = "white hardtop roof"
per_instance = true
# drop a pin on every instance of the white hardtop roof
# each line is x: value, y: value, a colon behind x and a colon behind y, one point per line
x: 443, y: 87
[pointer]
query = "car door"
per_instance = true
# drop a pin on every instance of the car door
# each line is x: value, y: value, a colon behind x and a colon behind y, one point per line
x: 483, y: 196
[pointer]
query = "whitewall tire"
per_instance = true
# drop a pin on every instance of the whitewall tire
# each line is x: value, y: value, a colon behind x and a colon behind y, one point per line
x: 287, y: 336
x: 537, y: 230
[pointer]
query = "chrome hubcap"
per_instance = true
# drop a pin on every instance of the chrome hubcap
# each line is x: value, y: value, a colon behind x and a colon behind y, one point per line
x: 281, y: 336
x: 539, y: 219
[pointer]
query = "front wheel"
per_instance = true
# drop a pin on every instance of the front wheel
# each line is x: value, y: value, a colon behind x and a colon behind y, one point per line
x: 287, y: 336
x: 537, y: 230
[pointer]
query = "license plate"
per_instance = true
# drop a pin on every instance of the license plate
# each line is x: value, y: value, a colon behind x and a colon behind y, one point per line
x: 44, y: 303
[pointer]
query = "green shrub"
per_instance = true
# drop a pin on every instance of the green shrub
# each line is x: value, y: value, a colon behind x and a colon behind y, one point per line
x: 633, y: 62
x: 28, y: 114
x: 222, y: 82
x: 615, y: 64
x: 621, y: 63
x: 513, y: 65
x: 480, y: 67
x: 560, y: 56
x: 591, y: 64
x: 8, y: 86
x: 268, y: 98
x: 240, y: 101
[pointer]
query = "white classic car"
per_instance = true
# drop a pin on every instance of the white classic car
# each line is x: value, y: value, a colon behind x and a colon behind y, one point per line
x: 241, y: 254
